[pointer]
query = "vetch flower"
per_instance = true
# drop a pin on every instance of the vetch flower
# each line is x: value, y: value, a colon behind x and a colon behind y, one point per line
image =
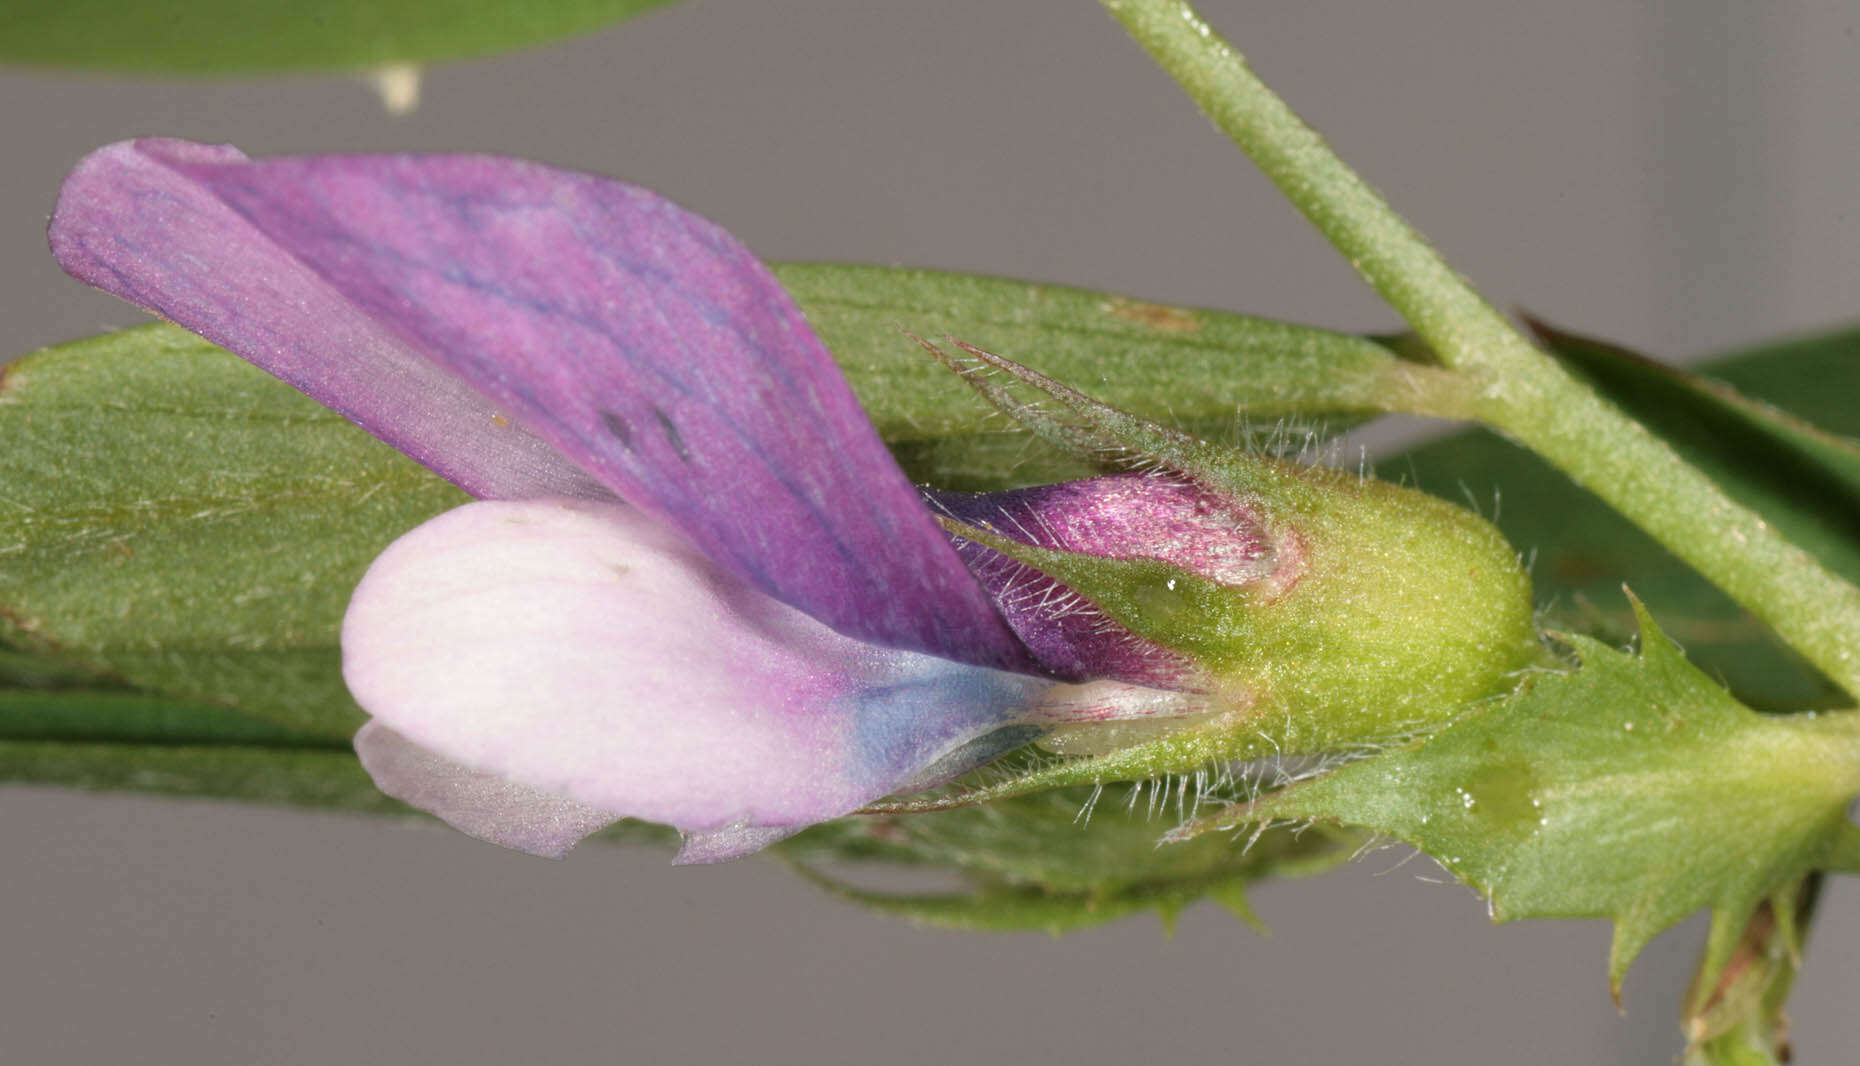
x: 770, y: 631
x: 697, y: 588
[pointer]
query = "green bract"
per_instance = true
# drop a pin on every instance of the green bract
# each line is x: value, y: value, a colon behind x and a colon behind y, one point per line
x: 1633, y: 789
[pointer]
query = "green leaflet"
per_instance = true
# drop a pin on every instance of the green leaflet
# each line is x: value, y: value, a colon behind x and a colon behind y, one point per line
x: 247, y: 36
x: 1633, y: 789
x: 1214, y: 374
x: 173, y: 519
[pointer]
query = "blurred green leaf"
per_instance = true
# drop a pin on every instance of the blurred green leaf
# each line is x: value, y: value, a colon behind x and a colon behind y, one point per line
x: 1766, y: 456
x: 1059, y: 860
x: 1800, y: 477
x: 253, y: 36
x: 1633, y: 788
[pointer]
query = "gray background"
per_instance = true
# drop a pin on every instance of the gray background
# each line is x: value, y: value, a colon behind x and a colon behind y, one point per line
x: 1677, y: 175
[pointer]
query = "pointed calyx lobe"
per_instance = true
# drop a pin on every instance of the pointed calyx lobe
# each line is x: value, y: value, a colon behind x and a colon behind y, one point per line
x: 1119, y: 517
x: 1312, y: 608
x: 528, y: 332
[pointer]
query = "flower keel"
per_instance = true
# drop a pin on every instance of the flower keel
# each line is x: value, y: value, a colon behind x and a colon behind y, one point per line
x: 582, y: 651
x: 773, y: 629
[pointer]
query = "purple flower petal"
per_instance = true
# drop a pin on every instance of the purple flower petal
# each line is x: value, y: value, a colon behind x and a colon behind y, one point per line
x: 585, y: 652
x: 479, y: 804
x: 423, y: 295
x: 131, y: 222
x: 1122, y: 517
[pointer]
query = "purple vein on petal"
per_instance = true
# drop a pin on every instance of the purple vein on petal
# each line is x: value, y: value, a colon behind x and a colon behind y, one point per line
x: 641, y: 342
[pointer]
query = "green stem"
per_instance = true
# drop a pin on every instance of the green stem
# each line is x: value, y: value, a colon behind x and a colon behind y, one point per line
x: 1522, y: 392
x: 1734, y: 1015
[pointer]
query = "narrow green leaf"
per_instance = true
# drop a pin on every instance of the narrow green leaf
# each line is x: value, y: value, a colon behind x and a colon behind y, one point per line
x: 1035, y: 864
x: 1633, y: 789
x: 173, y: 518
x: 128, y: 717
x: 1810, y: 377
x: 80, y: 422
x: 1215, y: 374
x: 244, y: 36
x: 329, y: 778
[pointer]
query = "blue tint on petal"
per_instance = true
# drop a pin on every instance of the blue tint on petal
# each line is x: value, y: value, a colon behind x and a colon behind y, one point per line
x: 899, y: 728
x: 974, y: 755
